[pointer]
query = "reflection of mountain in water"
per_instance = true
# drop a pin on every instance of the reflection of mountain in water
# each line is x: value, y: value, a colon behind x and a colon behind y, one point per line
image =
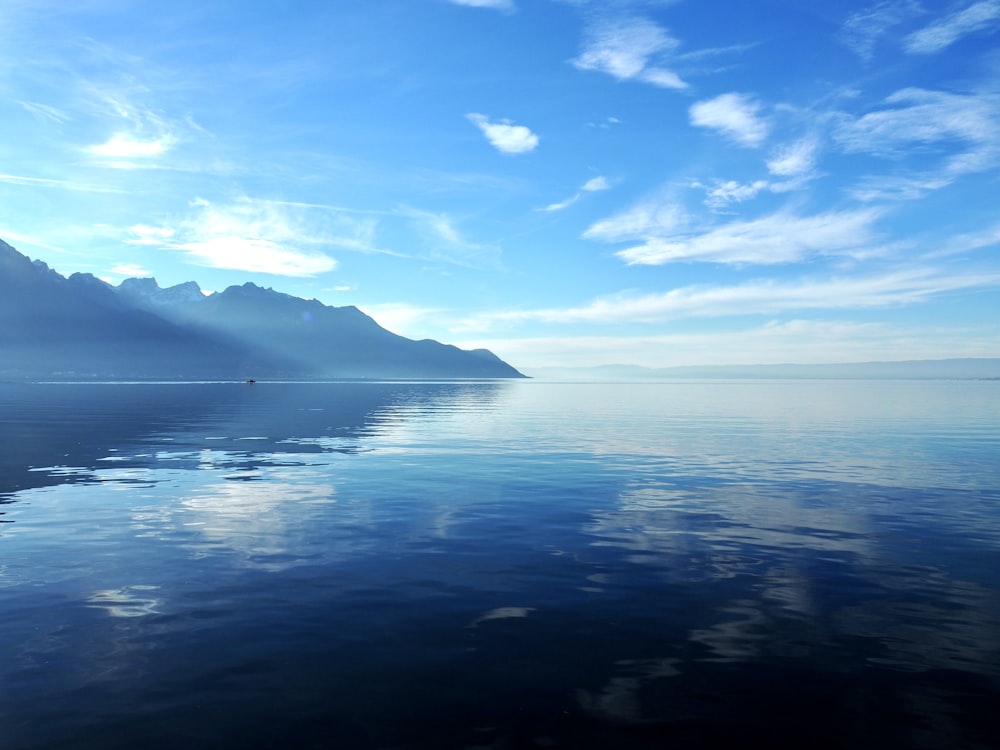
x: 48, y: 426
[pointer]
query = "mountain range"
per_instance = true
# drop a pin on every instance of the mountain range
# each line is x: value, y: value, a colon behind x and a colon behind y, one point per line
x: 52, y: 326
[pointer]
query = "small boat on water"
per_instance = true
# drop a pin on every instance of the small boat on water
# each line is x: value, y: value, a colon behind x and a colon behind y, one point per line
x: 251, y: 381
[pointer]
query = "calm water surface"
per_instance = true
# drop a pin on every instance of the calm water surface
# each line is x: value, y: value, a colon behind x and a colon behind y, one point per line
x: 500, y: 565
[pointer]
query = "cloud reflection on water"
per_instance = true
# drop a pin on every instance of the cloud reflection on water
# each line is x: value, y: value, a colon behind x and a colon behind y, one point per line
x: 809, y: 581
x: 632, y: 559
x: 128, y: 601
x: 239, y: 505
x: 619, y: 700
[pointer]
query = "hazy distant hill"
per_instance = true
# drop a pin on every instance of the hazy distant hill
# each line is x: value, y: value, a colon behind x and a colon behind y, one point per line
x: 984, y: 368
x: 51, y: 326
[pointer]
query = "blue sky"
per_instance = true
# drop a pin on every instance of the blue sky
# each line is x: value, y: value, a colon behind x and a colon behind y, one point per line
x: 563, y: 182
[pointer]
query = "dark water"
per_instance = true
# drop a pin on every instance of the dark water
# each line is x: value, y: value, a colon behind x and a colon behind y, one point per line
x: 500, y: 565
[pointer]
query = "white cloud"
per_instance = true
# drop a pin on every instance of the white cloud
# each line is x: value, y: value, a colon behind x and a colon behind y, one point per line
x: 593, y: 185
x: 81, y: 187
x: 918, y: 116
x: 932, y: 121
x: 253, y: 219
x: 256, y: 255
x: 734, y: 115
x: 794, y: 159
x: 130, y: 270
x: 147, y: 235
x: 259, y: 236
x: 561, y: 205
x: 623, y: 47
x: 965, y: 243
x: 648, y: 218
x: 778, y: 238
x: 605, y: 124
x: 506, y: 6
x: 504, y: 135
x: 140, y: 137
x: 755, y: 297
x: 767, y: 297
x: 722, y: 194
x: 896, y: 188
x: 126, y: 146
x: 795, y: 162
x: 665, y: 79
x: 863, y: 29
x: 948, y: 30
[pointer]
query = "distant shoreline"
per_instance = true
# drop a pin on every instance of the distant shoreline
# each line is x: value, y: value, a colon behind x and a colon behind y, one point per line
x: 235, y: 381
x: 968, y: 369
x: 925, y: 369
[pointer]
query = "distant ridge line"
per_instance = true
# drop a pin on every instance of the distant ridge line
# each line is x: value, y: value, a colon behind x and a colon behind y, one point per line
x: 961, y: 368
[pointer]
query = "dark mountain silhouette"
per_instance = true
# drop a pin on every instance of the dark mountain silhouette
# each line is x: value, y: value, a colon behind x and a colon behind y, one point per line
x: 52, y: 326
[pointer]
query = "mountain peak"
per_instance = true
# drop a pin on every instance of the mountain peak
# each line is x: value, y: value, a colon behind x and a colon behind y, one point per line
x: 146, y: 292
x: 145, y: 285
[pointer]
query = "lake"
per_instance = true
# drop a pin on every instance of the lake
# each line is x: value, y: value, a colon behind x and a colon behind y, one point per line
x: 501, y: 564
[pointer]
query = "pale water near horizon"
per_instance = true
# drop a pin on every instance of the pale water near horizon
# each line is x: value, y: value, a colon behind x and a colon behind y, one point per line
x: 500, y: 564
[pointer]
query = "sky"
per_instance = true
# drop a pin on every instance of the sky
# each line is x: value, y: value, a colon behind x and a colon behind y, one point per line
x: 565, y: 182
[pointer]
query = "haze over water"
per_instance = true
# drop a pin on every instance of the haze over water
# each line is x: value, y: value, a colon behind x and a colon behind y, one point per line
x: 500, y: 564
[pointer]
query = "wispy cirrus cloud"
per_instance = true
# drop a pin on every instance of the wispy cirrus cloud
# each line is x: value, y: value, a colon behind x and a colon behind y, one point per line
x: 256, y: 256
x: 778, y: 238
x: 129, y: 270
x: 289, y: 238
x: 47, y: 112
x: 794, y: 163
x: 970, y: 242
x: 734, y: 115
x: 593, y: 185
x: 916, y: 117
x: 627, y: 48
x: 143, y: 234
x: 896, y: 187
x: 862, y: 30
x: 258, y: 236
x: 605, y: 124
x: 723, y: 193
x: 562, y: 205
x: 980, y: 16
x: 442, y: 240
x: 649, y: 218
x: 139, y: 136
x: 128, y: 146
x: 48, y: 182
x: 754, y: 297
x: 794, y: 159
x: 504, y: 135
x: 963, y: 129
x: 507, y: 6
